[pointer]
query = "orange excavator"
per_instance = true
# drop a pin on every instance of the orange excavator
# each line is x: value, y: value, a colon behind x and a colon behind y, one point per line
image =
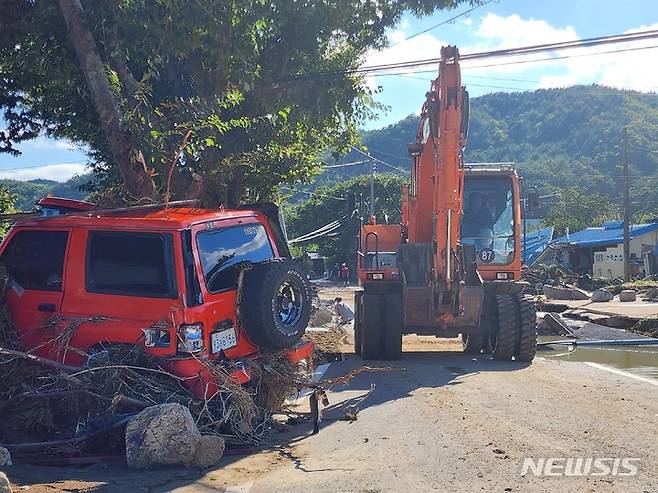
x: 453, y: 265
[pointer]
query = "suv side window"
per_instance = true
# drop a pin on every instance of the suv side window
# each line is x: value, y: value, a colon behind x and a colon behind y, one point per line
x: 131, y: 264
x: 35, y: 259
x: 221, y: 249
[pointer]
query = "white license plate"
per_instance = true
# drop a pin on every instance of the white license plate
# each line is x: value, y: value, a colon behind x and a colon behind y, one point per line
x: 223, y: 339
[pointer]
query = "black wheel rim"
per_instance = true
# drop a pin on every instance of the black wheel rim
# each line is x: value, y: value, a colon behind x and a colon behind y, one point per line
x: 288, y: 304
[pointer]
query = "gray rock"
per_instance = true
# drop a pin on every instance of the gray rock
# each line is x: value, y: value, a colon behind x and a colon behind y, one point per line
x: 579, y: 294
x: 627, y: 295
x: 209, y: 451
x: 5, y: 485
x: 161, y: 435
x: 320, y: 316
x: 601, y: 295
x: 557, y: 292
x: 5, y: 457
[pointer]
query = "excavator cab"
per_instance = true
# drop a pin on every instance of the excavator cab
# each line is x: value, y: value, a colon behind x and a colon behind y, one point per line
x: 491, y: 219
x: 453, y: 265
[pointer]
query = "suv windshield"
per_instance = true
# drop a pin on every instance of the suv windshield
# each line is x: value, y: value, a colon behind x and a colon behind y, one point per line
x: 222, y: 249
x: 488, y: 220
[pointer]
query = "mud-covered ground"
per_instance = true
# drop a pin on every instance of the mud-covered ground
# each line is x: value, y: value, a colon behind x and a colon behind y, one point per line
x: 439, y: 420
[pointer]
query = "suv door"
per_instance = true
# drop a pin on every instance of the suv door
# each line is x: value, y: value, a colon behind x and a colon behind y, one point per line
x: 34, y: 260
x: 220, y: 248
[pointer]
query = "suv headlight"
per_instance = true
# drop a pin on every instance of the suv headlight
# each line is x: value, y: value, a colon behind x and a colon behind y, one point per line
x: 190, y: 338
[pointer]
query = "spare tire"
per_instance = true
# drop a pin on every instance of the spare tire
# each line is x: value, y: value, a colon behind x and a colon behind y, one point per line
x: 275, y: 304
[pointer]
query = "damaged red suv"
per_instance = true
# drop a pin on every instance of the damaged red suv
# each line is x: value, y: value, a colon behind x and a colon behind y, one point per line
x: 193, y: 286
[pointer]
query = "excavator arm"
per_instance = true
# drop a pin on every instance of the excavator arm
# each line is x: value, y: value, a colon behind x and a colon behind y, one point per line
x: 432, y: 206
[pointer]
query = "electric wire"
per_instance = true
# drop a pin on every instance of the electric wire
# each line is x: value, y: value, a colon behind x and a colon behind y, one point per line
x: 525, y: 50
x: 444, y: 22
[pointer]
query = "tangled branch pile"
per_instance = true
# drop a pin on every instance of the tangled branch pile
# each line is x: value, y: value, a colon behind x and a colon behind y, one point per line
x: 45, y: 403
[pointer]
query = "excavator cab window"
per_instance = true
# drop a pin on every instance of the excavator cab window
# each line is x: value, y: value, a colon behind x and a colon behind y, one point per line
x: 488, y: 220
x: 381, y: 260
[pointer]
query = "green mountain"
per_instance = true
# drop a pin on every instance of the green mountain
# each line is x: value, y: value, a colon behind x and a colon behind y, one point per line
x: 557, y: 138
x: 29, y: 192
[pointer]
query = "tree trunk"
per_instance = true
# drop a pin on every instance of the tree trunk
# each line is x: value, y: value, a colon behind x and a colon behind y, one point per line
x: 123, y: 146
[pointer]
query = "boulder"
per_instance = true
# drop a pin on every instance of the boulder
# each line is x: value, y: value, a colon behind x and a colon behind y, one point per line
x: 5, y: 457
x: 161, y: 435
x: 579, y: 294
x: 209, y: 451
x: 651, y: 295
x: 5, y: 485
x: 320, y: 316
x: 627, y: 295
x: 601, y: 295
x: 557, y: 292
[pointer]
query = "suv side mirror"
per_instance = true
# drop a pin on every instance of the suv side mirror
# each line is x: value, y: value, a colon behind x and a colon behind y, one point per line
x: 532, y: 199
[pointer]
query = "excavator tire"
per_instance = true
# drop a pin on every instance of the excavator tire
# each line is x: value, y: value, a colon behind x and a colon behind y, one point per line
x: 358, y: 321
x: 472, y: 343
x: 527, y: 343
x: 393, y: 326
x: 508, y: 327
x: 371, y: 330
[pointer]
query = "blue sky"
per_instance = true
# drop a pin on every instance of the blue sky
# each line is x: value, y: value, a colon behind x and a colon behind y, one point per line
x: 498, y: 24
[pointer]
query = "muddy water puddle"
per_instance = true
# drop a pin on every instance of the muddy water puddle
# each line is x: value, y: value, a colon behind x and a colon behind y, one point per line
x: 640, y: 360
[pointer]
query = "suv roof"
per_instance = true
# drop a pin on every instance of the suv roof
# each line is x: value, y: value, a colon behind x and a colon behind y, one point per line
x: 163, y: 218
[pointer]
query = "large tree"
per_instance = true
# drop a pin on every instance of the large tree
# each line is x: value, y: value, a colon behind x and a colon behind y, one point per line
x: 578, y: 209
x: 183, y: 98
x: 332, y: 202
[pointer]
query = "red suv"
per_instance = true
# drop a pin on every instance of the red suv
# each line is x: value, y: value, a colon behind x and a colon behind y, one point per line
x: 194, y: 286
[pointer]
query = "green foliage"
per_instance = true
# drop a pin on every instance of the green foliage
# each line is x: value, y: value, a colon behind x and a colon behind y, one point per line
x: 237, y: 78
x: 7, y: 199
x: 27, y: 193
x: 329, y: 203
x: 578, y: 210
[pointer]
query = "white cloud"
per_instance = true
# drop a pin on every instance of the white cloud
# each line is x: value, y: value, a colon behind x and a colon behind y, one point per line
x: 513, y: 31
x: 468, y: 21
x: 496, y: 33
x: 626, y: 70
x: 43, y: 142
x: 56, y: 172
x: 420, y: 47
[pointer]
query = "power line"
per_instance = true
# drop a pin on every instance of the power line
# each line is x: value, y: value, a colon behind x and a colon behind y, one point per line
x: 313, y: 193
x: 442, y: 23
x: 343, y: 165
x: 387, y: 153
x: 380, y: 161
x: 525, y: 50
x: 564, y: 57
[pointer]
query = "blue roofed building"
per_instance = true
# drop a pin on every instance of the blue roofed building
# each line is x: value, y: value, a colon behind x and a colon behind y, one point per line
x: 535, y: 242
x: 599, y: 251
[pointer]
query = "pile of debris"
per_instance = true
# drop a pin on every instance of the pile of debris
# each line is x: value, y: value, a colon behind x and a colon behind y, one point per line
x: 50, y: 406
x: 556, y: 283
x: 541, y: 275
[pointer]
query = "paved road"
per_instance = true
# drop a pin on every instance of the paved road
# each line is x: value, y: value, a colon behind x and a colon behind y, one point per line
x: 449, y: 422
x: 442, y: 421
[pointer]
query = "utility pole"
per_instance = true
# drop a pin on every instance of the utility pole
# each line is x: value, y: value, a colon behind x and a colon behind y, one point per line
x: 373, y: 168
x: 627, y: 210
x: 524, y: 211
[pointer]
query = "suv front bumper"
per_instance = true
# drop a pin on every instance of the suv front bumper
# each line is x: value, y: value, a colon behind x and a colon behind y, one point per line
x: 204, y: 380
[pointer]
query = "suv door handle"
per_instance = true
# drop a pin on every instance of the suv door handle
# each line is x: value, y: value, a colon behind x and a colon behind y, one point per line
x: 47, y: 307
